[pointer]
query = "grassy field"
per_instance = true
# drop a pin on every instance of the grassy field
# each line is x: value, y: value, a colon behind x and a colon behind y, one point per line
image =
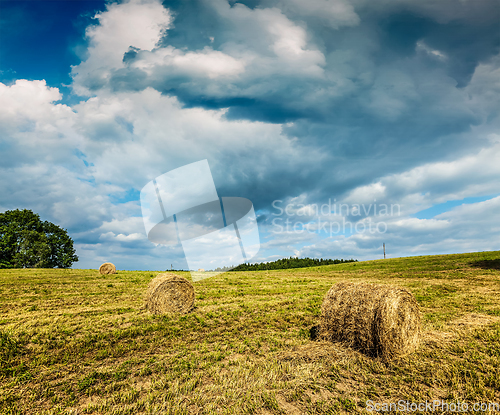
x: 75, y: 342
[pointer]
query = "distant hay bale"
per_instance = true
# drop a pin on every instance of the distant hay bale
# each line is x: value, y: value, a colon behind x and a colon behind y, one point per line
x: 378, y: 320
x: 169, y: 293
x: 107, y: 268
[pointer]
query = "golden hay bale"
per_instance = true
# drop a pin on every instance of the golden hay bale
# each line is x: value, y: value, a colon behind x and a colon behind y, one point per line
x: 378, y: 320
x: 107, y: 268
x: 169, y: 293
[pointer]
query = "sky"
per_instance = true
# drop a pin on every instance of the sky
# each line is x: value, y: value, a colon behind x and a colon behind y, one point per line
x: 347, y: 123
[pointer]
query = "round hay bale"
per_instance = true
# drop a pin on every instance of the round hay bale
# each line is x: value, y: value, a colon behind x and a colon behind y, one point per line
x: 378, y: 320
x: 169, y: 293
x: 107, y: 268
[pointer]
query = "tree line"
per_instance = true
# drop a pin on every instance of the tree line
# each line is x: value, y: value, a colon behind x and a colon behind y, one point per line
x: 286, y: 263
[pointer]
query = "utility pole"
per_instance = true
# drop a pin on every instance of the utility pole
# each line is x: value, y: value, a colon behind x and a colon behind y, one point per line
x: 384, y: 250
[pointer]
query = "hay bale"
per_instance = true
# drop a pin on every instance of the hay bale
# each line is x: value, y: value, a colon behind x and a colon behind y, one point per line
x: 378, y: 320
x: 107, y: 268
x: 169, y: 293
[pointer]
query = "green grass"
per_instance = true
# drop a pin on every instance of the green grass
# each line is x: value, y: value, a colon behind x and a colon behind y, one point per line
x: 75, y: 342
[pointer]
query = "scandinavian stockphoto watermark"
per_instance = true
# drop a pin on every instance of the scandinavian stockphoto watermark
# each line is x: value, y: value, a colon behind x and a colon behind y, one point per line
x: 182, y: 206
x: 333, y: 218
x: 432, y: 406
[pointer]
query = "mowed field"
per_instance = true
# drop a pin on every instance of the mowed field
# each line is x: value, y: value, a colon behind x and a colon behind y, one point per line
x: 75, y: 342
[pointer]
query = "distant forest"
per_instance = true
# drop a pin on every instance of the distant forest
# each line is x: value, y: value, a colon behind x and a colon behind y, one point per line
x: 287, y: 263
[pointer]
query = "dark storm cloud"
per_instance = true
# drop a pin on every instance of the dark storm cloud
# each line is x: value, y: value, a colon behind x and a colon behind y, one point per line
x: 393, y: 31
x: 376, y: 88
x: 391, y: 82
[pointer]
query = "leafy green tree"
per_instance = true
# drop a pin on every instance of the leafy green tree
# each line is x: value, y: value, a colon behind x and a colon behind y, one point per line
x: 33, y: 250
x: 28, y: 242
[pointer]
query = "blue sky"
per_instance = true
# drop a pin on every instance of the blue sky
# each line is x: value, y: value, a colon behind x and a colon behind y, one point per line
x: 360, y: 103
x: 42, y: 39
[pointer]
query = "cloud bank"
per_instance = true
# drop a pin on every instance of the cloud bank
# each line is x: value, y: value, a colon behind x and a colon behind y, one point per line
x: 302, y: 102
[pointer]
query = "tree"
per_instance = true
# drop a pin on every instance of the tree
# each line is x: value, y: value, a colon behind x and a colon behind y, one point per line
x: 28, y: 242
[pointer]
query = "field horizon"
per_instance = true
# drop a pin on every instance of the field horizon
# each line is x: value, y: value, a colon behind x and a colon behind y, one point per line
x: 76, y: 342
